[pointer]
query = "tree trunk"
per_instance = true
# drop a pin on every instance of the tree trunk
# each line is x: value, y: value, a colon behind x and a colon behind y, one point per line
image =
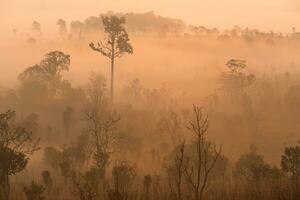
x: 112, y: 81
x: 179, y: 192
x: 4, y: 186
x: 197, y: 197
x: 112, y: 72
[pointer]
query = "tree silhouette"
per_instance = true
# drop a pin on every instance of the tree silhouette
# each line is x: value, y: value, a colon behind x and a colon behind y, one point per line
x: 62, y: 25
x: 47, y: 75
x: 68, y: 119
x: 34, y: 191
x: 176, y: 170
x: 252, y: 168
x: 290, y: 163
x: 36, y: 27
x: 207, y: 154
x: 147, y: 182
x: 123, y: 177
x: 11, y: 162
x: 15, y: 143
x: 116, y: 43
x: 49, y: 68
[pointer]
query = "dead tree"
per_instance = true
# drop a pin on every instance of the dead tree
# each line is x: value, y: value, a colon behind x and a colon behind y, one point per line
x: 180, y: 166
x: 100, y: 127
x: 206, y: 155
x: 101, y: 121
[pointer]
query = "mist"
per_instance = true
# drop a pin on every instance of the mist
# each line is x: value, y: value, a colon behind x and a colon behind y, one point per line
x: 194, y: 100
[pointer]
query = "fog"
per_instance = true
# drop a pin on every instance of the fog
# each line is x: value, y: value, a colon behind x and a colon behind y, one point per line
x: 222, y: 14
x: 214, y: 86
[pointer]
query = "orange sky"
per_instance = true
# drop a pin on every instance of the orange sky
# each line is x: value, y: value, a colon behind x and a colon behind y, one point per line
x: 278, y: 15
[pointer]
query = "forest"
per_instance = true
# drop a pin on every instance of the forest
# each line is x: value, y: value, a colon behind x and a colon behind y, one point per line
x: 137, y: 106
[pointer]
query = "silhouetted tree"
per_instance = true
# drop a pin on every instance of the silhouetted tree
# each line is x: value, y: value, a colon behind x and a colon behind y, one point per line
x: 290, y: 163
x: 134, y: 89
x: 236, y: 78
x: 123, y: 177
x: 252, y: 167
x: 86, y: 184
x: 62, y: 26
x: 68, y: 119
x: 176, y: 170
x: 15, y: 144
x: 47, y: 74
x: 47, y: 179
x: 101, y: 121
x: 36, y: 27
x: 206, y: 155
x: 116, y: 44
x: 11, y: 162
x: 30, y: 123
x: 34, y: 191
x: 147, y: 182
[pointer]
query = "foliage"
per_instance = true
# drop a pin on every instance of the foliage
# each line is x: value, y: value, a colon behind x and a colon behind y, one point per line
x: 31, y: 123
x: 116, y: 43
x: 84, y: 183
x: 101, y: 121
x: 49, y: 68
x: 73, y: 156
x: 45, y: 77
x: 97, y: 91
x: 252, y: 167
x: 136, y: 23
x: 12, y: 162
x: 62, y: 26
x: 34, y: 191
x: 15, y: 143
x: 36, y: 27
x: 237, y: 78
x: 123, y: 176
x: 14, y: 136
x: 134, y: 89
x: 290, y: 161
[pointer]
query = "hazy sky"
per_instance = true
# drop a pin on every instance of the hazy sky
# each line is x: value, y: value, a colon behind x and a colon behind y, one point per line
x: 279, y: 15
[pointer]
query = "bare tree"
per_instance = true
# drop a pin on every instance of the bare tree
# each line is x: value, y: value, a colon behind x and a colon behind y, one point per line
x: 177, y: 169
x: 116, y: 44
x: 206, y: 155
x: 101, y: 122
x: 101, y: 130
